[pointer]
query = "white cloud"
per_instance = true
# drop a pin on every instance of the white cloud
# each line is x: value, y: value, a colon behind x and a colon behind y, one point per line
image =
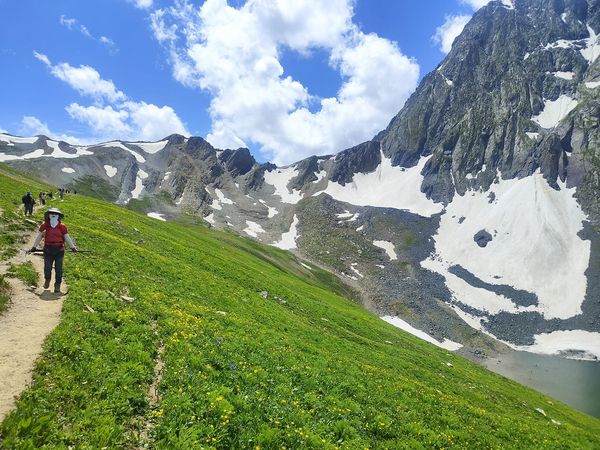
x: 84, y: 79
x: 43, y: 58
x: 69, y: 23
x: 475, y: 4
x: 142, y: 4
x: 73, y: 24
x: 113, y: 116
x: 451, y: 28
x: 128, y: 121
x: 234, y: 53
x: 31, y: 125
x: 151, y: 122
x: 104, y: 121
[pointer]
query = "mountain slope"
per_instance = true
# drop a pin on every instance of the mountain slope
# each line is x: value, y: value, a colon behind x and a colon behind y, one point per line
x: 485, y: 188
x: 255, y: 351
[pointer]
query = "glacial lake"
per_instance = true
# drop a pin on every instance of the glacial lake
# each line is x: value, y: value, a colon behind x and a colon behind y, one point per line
x: 574, y: 382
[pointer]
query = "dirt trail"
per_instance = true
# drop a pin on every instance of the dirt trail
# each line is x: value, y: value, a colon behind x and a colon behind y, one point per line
x: 31, y: 316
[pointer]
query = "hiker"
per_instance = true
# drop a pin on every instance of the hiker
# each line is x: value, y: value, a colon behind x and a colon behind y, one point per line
x: 42, y: 198
x: 61, y: 193
x: 55, y: 234
x: 50, y: 195
x: 28, y: 201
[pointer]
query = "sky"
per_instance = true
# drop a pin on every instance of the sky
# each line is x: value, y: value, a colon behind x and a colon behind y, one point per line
x: 285, y: 78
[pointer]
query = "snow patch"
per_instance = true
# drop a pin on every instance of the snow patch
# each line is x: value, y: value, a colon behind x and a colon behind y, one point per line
x: 288, y: 239
x: 399, y: 323
x: 110, y: 171
x: 252, y: 228
x: 222, y: 197
x: 307, y: 266
x: 137, y: 190
x: 592, y: 47
x: 388, y: 247
x: 210, y: 218
x: 18, y: 140
x: 563, y: 75
x: 555, y: 111
x: 151, y: 147
x: 68, y: 170
x: 533, y: 136
x: 139, y: 158
x: 580, y: 344
x: 157, y: 216
x: 387, y: 187
x: 592, y: 84
x: 355, y: 270
x: 279, y: 179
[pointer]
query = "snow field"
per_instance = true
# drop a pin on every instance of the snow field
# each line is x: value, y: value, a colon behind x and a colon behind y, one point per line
x: 279, y: 179
x: 534, y: 227
x: 555, y: 111
x: 387, y: 187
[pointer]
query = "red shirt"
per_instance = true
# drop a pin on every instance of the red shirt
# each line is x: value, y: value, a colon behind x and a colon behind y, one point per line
x: 54, y: 236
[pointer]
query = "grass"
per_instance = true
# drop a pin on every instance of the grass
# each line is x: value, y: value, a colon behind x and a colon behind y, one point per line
x: 4, y: 294
x: 301, y: 368
x: 25, y: 272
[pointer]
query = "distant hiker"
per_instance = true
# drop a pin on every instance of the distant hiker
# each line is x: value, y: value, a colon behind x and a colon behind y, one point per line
x: 28, y: 201
x: 61, y: 193
x: 50, y: 195
x: 55, y: 234
x: 42, y: 198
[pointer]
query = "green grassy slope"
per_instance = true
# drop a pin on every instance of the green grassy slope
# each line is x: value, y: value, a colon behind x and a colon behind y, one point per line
x: 302, y: 368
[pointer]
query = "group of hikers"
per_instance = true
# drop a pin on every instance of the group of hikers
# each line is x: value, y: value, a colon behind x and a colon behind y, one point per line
x: 28, y: 200
x: 55, y: 234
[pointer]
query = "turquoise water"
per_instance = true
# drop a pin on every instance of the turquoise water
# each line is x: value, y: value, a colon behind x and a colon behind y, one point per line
x: 576, y: 383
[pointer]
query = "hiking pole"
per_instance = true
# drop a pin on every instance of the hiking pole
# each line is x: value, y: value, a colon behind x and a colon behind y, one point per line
x: 42, y: 251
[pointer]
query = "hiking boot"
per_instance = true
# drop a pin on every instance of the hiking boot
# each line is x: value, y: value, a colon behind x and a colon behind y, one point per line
x: 47, y: 283
x: 57, y: 288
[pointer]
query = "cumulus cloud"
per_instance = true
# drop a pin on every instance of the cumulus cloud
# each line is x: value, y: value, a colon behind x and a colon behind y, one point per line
x: 234, y: 54
x: 74, y: 25
x: 84, y: 79
x: 31, y: 125
x: 129, y: 121
x: 142, y: 4
x: 103, y: 120
x: 449, y: 30
x: 113, y: 115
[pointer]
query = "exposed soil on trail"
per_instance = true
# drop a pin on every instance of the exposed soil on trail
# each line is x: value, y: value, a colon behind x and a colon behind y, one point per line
x: 31, y: 316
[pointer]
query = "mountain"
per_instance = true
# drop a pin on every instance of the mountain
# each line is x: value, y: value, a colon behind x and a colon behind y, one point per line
x: 174, y: 335
x: 477, y: 208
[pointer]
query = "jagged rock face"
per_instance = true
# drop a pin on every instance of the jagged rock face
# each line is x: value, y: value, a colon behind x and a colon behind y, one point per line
x: 479, y: 202
x: 474, y: 111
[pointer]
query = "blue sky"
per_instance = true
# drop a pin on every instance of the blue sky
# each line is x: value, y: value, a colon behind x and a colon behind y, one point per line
x: 286, y: 78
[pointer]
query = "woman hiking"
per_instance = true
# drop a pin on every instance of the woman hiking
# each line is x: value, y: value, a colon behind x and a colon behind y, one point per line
x: 55, y: 234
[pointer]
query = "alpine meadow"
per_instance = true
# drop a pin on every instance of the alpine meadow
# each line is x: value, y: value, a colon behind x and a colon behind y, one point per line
x: 245, y: 347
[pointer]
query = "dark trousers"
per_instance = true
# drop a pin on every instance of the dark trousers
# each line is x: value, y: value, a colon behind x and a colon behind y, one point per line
x: 29, y: 208
x: 53, y: 256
